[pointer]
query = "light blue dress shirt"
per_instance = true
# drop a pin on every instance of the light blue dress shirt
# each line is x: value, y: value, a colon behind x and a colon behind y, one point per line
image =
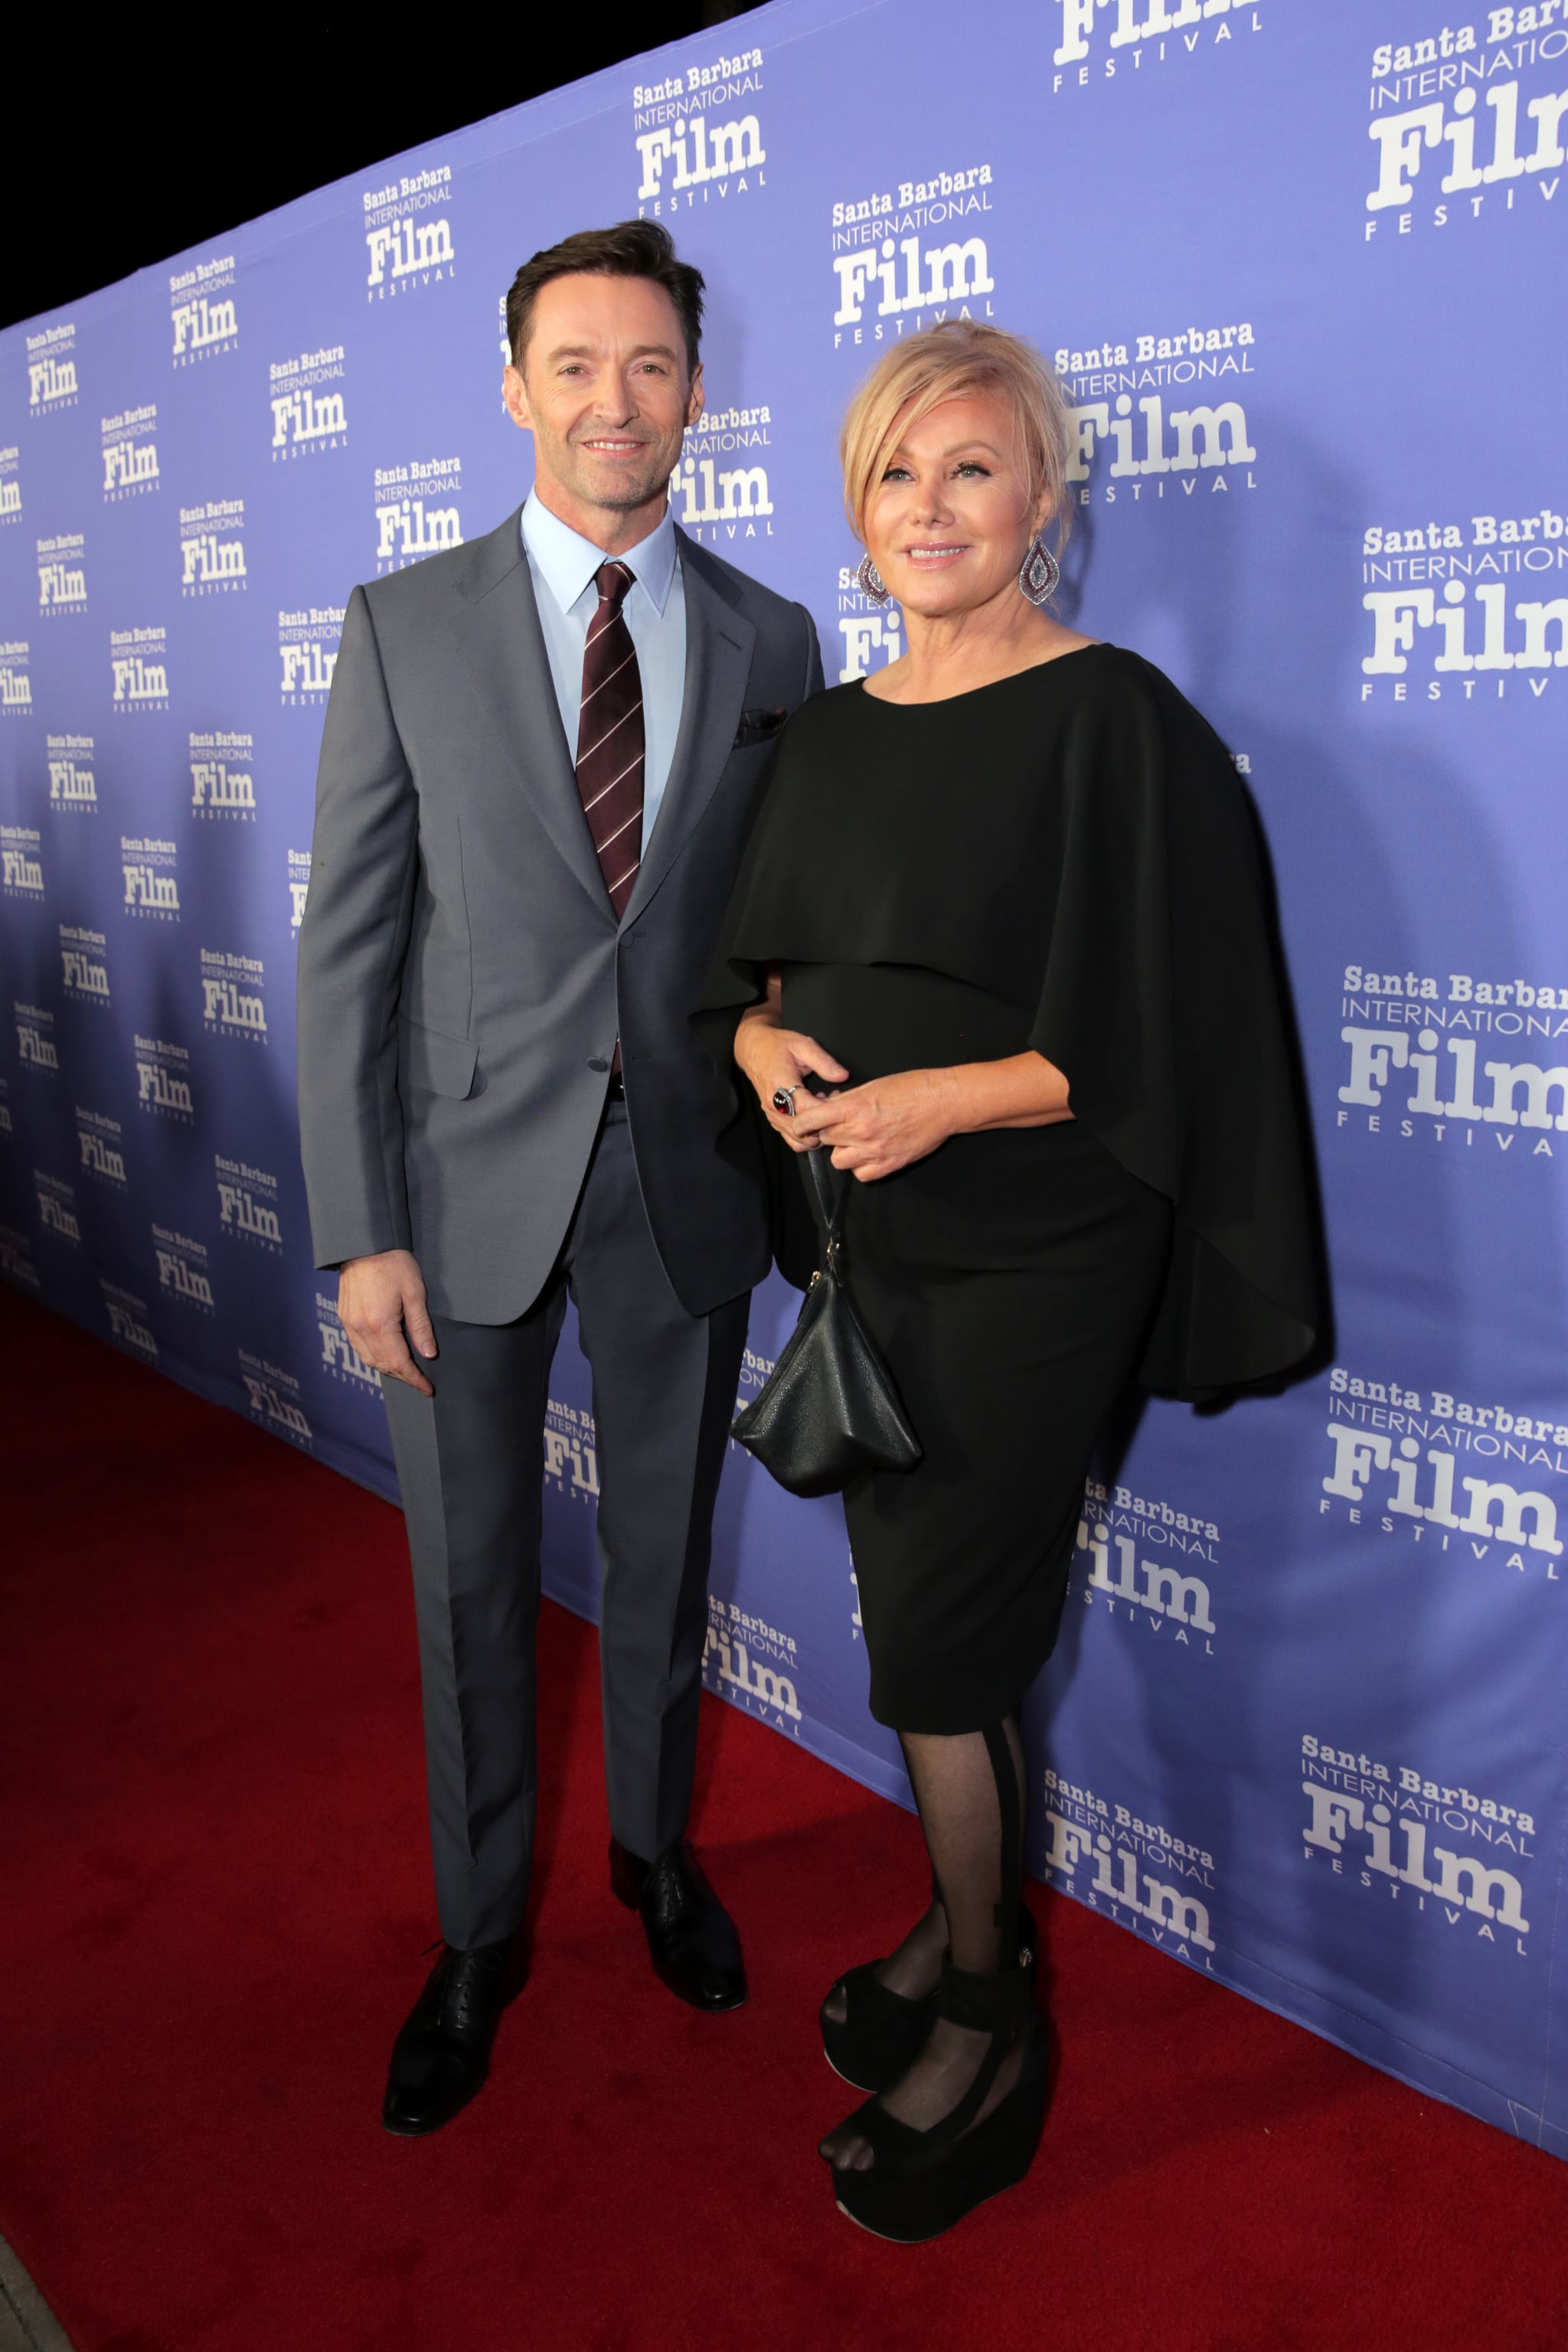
x: 563, y: 563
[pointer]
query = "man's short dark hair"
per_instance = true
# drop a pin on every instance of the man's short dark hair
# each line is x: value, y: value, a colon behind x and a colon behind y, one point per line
x: 633, y: 248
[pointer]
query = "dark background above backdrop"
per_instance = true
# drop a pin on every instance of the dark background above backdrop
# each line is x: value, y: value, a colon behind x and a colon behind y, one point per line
x: 131, y: 161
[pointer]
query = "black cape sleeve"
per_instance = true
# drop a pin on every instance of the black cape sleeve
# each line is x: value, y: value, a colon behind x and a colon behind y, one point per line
x: 1164, y: 1002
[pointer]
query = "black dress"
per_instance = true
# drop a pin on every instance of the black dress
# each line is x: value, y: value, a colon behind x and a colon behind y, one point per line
x: 1063, y: 861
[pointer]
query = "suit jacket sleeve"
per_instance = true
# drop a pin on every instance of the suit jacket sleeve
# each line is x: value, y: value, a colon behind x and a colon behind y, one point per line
x: 353, y: 944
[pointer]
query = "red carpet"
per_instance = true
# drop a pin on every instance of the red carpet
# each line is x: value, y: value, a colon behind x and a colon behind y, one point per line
x: 216, y: 1898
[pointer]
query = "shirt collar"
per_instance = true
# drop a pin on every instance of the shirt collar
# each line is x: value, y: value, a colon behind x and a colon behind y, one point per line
x: 568, y: 561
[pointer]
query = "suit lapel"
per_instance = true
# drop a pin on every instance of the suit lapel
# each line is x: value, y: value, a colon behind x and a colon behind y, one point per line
x: 719, y: 646
x: 496, y: 622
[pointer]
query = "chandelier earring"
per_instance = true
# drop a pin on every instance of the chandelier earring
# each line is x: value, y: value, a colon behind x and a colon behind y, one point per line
x: 1039, y: 573
x: 871, y: 581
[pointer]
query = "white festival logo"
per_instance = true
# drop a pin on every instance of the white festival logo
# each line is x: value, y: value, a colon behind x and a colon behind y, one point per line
x: 137, y: 681
x: 150, y: 889
x: 126, y: 1324
x: 49, y: 380
x: 209, y: 559
x: 268, y: 1401
x: 1165, y: 1591
x: 731, y: 1651
x: 186, y: 1281
x: 159, y: 1088
x: 237, y: 1208
x: 1205, y: 437
x: 84, y: 975
x: 215, y: 785
x: 735, y: 495
x: 306, y: 670
x: 307, y: 415
x: 863, y: 632
x: 1146, y: 1896
x: 1402, y: 137
x: 339, y: 1353
x: 226, y: 1006
x: 101, y: 1156
x: 33, y: 1045
x: 1398, y: 613
x: 1164, y: 16
x: 957, y: 272
x: 1463, y: 1878
x: 127, y: 463
x: 57, y: 1213
x: 406, y: 246
x: 1359, y: 1452
x: 307, y: 644
x: 699, y: 151
x: 1522, y: 1093
x: 60, y: 584
x: 201, y: 323
x: 570, y: 1451
x: 70, y: 786
x: 424, y: 531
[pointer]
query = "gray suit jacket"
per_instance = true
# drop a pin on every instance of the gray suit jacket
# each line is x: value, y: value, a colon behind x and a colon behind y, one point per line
x: 462, y: 976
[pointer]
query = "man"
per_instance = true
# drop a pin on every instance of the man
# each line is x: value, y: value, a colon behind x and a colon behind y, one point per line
x: 542, y: 756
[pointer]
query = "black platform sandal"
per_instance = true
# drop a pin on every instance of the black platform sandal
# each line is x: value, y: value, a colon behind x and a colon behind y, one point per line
x: 920, y: 2183
x: 880, y: 2031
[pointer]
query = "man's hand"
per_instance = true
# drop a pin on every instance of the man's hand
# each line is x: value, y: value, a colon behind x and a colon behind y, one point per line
x: 381, y: 1304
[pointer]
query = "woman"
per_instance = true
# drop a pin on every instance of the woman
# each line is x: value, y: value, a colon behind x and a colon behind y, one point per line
x: 999, y: 941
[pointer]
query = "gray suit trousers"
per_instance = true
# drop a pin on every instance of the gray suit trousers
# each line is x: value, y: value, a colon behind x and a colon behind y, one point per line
x: 469, y: 1461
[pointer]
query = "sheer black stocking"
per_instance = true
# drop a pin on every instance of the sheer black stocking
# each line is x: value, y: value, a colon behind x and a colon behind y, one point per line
x: 970, y: 1792
x: 912, y: 1968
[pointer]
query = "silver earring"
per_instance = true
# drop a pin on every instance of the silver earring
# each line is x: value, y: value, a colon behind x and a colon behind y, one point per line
x: 871, y: 581
x: 1039, y: 573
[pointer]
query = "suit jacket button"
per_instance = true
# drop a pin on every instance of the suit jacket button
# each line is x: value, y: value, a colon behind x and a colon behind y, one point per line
x: 597, y: 1062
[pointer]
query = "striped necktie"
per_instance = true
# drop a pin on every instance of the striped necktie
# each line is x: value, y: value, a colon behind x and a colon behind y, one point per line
x: 610, y: 738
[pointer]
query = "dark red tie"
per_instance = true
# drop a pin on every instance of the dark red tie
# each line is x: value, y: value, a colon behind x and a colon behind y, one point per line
x: 610, y: 738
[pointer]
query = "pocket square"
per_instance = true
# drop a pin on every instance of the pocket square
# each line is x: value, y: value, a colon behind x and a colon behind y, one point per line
x: 758, y: 727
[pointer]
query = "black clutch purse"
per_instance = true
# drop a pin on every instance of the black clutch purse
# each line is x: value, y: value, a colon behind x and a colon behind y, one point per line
x: 829, y: 1407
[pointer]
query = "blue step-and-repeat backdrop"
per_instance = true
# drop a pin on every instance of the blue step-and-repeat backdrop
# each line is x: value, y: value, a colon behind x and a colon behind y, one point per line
x: 1298, y: 264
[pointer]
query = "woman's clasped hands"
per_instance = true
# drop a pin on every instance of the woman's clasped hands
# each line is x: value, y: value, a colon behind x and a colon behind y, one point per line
x: 876, y: 1129
x: 872, y: 1130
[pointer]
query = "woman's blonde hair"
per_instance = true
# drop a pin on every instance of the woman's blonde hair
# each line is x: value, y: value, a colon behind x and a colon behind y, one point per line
x: 946, y: 362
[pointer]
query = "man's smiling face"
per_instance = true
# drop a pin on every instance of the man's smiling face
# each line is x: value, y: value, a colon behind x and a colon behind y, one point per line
x: 604, y: 390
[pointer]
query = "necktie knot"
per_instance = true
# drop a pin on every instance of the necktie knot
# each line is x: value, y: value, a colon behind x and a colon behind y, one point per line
x: 612, y: 581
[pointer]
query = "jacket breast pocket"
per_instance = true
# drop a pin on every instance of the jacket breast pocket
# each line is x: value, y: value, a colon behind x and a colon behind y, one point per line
x: 758, y: 727
x: 429, y: 1059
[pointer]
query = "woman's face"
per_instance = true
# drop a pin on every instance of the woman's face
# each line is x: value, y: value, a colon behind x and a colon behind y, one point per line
x: 949, y: 523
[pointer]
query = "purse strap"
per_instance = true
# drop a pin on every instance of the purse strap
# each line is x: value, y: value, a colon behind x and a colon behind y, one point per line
x: 829, y: 1187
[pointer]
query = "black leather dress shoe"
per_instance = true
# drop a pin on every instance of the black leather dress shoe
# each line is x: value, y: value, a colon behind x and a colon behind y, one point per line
x: 443, y: 2053
x: 690, y: 1936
